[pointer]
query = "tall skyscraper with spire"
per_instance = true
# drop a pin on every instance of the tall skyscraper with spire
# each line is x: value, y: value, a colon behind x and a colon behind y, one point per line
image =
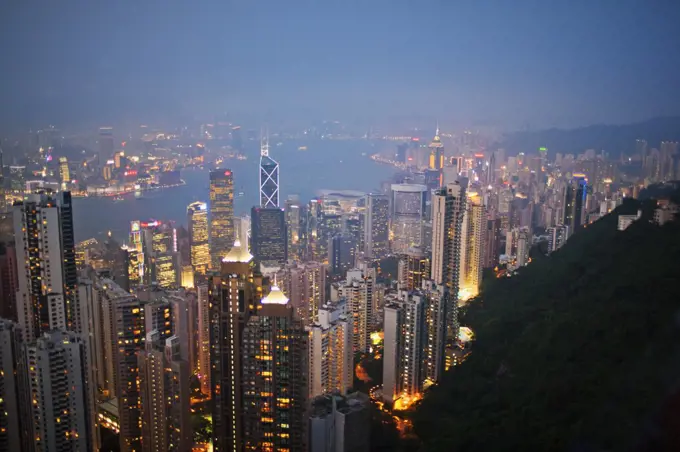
x: 269, y: 177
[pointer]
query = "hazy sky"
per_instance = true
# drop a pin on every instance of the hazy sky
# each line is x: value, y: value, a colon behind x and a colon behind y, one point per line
x: 508, y: 62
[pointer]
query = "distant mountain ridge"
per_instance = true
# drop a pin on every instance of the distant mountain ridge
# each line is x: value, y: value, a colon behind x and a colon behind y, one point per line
x: 614, y: 139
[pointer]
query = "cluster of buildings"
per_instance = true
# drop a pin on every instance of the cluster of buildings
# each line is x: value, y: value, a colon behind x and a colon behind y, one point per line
x: 255, y: 322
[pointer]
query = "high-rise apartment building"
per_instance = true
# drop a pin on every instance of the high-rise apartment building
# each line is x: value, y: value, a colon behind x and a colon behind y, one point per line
x: 523, y: 247
x: 413, y: 269
x: 305, y: 285
x: 376, y: 226
x: 448, y: 211
x: 472, y: 246
x: 331, y: 358
x: 59, y: 409
x: 221, y: 215
x: 274, y: 357
x: 43, y: 230
x: 407, y: 216
x: 404, y: 354
x: 164, y: 395
x: 340, y: 423
x: 269, y: 241
x: 557, y: 237
x: 197, y: 214
x: 203, y: 338
x: 14, y: 424
x: 492, y: 242
x: 435, y: 322
x: 269, y: 177
x: 359, y: 290
x: 294, y: 227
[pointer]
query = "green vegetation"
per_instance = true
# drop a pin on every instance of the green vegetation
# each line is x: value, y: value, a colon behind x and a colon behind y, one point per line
x: 581, y: 348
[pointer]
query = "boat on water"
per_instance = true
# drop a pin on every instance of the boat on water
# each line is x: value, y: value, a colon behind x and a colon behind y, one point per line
x: 302, y: 148
x: 117, y: 198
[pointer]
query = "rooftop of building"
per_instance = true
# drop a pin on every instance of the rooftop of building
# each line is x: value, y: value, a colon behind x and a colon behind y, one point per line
x: 354, y: 402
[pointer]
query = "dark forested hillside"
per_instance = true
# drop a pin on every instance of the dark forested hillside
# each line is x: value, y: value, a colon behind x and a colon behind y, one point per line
x: 581, y: 350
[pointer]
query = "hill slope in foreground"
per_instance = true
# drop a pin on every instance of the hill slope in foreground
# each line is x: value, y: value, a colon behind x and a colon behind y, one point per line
x: 580, y: 351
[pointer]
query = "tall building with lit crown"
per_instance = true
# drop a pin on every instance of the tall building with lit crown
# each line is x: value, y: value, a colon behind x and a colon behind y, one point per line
x: 413, y: 269
x: 407, y: 216
x: 405, y: 350
x: 233, y: 294
x: 331, y: 359
x: 448, y: 211
x: 472, y: 246
x: 197, y: 214
x: 269, y: 177
x: 376, y: 226
x: 43, y: 231
x: 164, y: 391
x: 64, y: 173
x: 436, y: 162
x: 221, y: 215
x: 56, y: 378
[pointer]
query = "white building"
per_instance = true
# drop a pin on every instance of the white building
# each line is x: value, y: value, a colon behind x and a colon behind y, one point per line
x: 331, y: 358
x: 340, y: 424
x: 627, y: 220
x: 359, y: 289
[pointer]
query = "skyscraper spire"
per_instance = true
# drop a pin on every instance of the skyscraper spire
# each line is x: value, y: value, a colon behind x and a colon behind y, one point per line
x: 264, y: 142
x: 269, y: 176
x: 436, y: 133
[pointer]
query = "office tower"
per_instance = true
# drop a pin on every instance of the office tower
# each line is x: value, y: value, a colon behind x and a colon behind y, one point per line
x: 404, y: 354
x: 274, y: 358
x: 294, y: 223
x: 305, y: 285
x: 164, y: 390
x: 354, y: 227
x: 312, y: 230
x: 491, y: 170
x: 575, y: 202
x: 269, y: 242
x: 64, y: 173
x: 523, y: 247
x: 341, y: 253
x: 557, y: 236
x: 269, y: 177
x: 197, y: 214
x: 359, y: 290
x: 436, y: 152
x: 203, y: 338
x: 340, y: 423
x: 376, y: 226
x: 233, y: 294
x: 407, y: 216
x: 57, y: 386
x: 221, y: 215
x: 413, y: 269
x: 492, y: 242
x: 13, y: 402
x: 330, y: 224
x: 472, y: 246
x: 43, y: 229
x: 159, y: 244
x: 124, y: 331
x: 435, y: 321
x: 105, y: 142
x: 331, y: 358
x: 448, y: 211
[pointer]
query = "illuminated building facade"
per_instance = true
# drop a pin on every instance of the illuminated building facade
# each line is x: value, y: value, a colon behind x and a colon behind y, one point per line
x: 413, y: 269
x: 221, y: 215
x: 331, y: 358
x: 295, y: 214
x: 407, y: 216
x: 197, y: 214
x: 64, y: 173
x: 159, y: 244
x: 269, y: 177
x: 305, y: 285
x: 404, y: 354
x: 557, y: 237
x: 275, y: 377
x: 269, y: 241
x: 203, y: 336
x: 376, y: 226
x: 43, y: 231
x: 448, y: 211
x: 435, y: 322
x: 359, y: 290
x: 57, y: 387
x: 472, y: 246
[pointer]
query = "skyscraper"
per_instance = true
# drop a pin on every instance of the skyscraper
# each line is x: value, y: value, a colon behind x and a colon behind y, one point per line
x: 13, y: 398
x: 340, y: 424
x: 221, y: 215
x: 269, y: 177
x: 448, y: 211
x: 472, y: 246
x: 197, y: 214
x: 359, y: 290
x: 575, y: 202
x: 557, y: 236
x: 64, y: 173
x: 43, y: 229
x: 294, y: 227
x: 407, y: 216
x: 274, y: 357
x: 269, y: 241
x: 436, y: 152
x: 413, y: 269
x: 376, y: 226
x: 105, y: 143
x: 56, y: 378
x: 341, y: 253
x: 305, y: 285
x: 331, y: 359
